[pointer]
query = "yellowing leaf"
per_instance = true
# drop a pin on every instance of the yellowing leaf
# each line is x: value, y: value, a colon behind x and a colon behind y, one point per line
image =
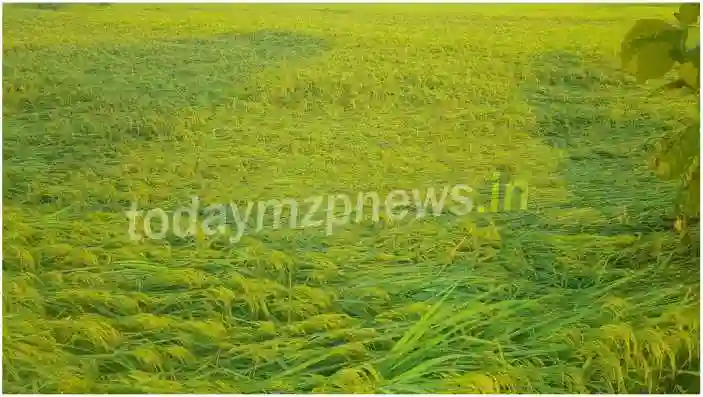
x: 662, y: 169
x: 690, y: 200
x: 680, y: 225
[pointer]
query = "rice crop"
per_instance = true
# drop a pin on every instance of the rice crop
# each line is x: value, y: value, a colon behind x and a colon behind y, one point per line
x: 587, y: 290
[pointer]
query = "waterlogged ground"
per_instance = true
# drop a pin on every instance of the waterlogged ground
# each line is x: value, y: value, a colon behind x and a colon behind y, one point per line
x: 104, y: 106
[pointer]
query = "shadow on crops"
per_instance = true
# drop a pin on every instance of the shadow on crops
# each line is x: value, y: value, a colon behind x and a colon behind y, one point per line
x: 40, y: 6
x: 603, y: 167
x: 156, y: 75
x: 68, y: 105
x: 573, y: 101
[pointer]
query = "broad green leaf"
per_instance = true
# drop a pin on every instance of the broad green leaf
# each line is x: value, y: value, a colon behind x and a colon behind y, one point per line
x: 645, y: 31
x: 694, y: 55
x: 693, y: 38
x: 652, y: 60
x: 689, y: 73
x: 688, y: 13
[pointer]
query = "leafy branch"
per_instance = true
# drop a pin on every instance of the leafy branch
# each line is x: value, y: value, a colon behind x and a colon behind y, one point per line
x: 650, y: 50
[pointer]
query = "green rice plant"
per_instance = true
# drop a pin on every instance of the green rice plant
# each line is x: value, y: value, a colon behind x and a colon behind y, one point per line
x: 583, y: 291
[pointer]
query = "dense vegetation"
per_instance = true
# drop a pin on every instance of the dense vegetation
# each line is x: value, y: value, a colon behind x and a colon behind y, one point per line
x: 587, y: 290
x: 650, y: 50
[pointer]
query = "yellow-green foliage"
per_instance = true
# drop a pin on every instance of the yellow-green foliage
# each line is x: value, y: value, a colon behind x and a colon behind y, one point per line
x: 585, y: 291
x: 650, y: 50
